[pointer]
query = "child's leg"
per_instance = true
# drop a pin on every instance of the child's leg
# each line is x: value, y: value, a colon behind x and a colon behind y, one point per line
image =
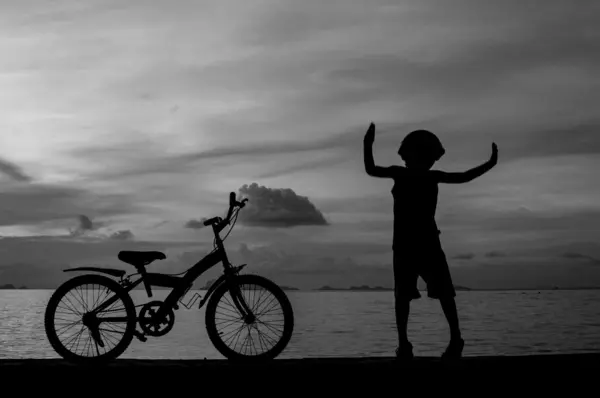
x: 405, y: 289
x: 449, y: 308
x: 402, y: 312
x: 440, y: 286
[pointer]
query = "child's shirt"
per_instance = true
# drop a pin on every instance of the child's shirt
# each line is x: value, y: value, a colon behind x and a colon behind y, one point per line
x: 415, y: 195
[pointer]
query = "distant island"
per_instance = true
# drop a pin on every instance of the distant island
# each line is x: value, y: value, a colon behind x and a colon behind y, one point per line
x: 366, y: 288
x: 210, y: 282
x: 363, y: 288
x: 11, y: 287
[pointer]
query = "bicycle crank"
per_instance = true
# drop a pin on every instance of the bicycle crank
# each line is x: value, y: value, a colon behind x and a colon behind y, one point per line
x: 152, y: 326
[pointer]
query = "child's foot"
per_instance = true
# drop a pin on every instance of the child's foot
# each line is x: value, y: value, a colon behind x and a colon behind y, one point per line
x: 404, y: 351
x: 454, y: 349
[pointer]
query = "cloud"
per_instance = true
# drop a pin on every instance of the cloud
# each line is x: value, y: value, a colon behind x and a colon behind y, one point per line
x: 495, y: 254
x: 137, y: 157
x: 38, y: 203
x: 13, y: 171
x: 196, y: 224
x: 85, y: 224
x: 37, y: 262
x: 122, y: 235
x: 579, y: 256
x: 311, y: 269
x: 277, y: 208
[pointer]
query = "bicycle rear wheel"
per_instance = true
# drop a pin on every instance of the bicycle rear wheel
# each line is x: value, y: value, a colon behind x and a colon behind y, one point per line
x: 268, y: 331
x: 76, y: 333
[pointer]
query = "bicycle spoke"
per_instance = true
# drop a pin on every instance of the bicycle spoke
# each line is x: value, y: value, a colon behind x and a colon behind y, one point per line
x: 267, y: 336
x: 74, y: 306
x: 228, y: 323
x: 69, y: 313
x: 236, y: 334
x: 64, y: 329
x: 264, y: 332
x: 231, y: 314
x: 75, y: 336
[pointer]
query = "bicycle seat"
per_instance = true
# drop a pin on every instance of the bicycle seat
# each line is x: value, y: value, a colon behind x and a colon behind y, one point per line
x: 138, y: 259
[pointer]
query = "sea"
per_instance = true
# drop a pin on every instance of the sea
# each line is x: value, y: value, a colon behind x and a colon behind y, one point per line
x: 353, y: 324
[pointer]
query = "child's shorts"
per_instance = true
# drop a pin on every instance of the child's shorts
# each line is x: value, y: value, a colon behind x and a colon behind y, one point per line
x: 426, y: 259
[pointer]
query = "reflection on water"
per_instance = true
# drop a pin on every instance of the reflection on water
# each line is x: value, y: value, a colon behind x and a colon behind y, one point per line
x: 354, y: 324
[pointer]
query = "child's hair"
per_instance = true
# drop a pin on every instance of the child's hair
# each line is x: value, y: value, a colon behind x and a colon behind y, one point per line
x: 423, y: 144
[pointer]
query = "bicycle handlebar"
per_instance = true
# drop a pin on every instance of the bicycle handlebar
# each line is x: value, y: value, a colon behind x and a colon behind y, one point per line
x: 232, y: 204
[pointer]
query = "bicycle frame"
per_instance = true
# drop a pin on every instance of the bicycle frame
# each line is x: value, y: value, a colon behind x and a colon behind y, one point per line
x: 182, y: 284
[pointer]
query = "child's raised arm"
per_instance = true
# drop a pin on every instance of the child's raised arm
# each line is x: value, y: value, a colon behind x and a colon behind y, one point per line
x: 370, y: 168
x: 469, y: 175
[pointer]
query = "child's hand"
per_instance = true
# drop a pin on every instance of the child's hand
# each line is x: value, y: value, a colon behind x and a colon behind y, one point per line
x: 370, y: 135
x: 494, y: 157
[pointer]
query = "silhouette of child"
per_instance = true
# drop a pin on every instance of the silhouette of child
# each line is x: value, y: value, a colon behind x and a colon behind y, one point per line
x: 416, y: 243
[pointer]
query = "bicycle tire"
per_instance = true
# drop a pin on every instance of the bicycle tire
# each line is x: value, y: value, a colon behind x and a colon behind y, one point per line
x: 74, y: 283
x: 269, y: 286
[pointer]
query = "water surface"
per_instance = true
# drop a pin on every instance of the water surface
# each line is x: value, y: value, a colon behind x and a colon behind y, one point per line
x: 343, y: 324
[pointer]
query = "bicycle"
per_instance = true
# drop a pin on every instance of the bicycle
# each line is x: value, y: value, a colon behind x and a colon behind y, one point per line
x: 156, y: 318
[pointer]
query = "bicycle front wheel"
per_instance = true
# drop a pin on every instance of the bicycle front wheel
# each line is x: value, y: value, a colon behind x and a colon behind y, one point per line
x: 78, y: 331
x: 262, y: 335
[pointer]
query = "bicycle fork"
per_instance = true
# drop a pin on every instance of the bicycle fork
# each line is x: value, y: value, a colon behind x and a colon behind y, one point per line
x: 238, y: 300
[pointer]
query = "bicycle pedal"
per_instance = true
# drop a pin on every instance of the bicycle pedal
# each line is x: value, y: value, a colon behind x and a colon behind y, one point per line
x: 140, y: 336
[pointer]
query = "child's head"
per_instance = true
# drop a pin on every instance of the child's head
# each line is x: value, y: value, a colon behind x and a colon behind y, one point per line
x: 420, y: 149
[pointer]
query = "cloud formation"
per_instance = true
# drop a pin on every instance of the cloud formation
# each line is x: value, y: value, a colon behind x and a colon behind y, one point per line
x: 37, y: 203
x: 286, y: 89
x: 13, y: 171
x: 277, y: 208
x: 122, y: 235
x: 196, y: 224
x: 464, y: 256
x: 495, y: 254
x: 85, y: 224
x: 579, y: 256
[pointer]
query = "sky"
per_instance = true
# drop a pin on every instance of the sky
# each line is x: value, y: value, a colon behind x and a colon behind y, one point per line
x: 124, y: 124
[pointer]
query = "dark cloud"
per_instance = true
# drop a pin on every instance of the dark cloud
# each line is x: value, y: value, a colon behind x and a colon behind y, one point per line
x: 38, y: 203
x: 277, y: 208
x: 37, y: 262
x: 85, y: 224
x: 495, y: 254
x: 196, y: 224
x: 540, y: 273
x: 13, y: 171
x: 311, y: 269
x: 464, y: 256
x: 522, y: 220
x: 65, y: 250
x: 579, y: 256
x: 160, y: 223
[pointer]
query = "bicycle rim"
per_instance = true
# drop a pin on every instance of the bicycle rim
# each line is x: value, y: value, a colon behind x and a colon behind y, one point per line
x: 64, y: 322
x: 264, y: 338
